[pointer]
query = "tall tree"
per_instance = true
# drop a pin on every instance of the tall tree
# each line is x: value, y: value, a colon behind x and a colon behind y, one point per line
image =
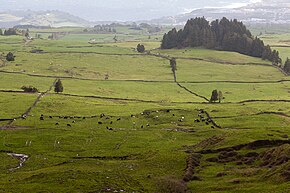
x: 214, y: 96
x: 58, y: 86
x: 287, y: 66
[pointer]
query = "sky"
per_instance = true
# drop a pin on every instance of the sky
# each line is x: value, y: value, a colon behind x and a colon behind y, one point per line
x: 121, y: 10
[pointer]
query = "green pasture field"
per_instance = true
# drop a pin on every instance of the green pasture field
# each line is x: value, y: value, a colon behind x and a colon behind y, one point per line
x: 137, y: 131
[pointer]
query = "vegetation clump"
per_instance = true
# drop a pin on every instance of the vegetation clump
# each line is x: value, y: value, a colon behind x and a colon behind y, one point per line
x: 58, y: 86
x: 287, y: 66
x: 224, y: 34
x: 140, y: 48
x: 29, y: 89
x: 11, y: 31
x: 10, y: 56
x: 216, y: 96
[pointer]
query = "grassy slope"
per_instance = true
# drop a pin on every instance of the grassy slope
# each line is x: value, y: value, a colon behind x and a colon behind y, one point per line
x: 154, y: 151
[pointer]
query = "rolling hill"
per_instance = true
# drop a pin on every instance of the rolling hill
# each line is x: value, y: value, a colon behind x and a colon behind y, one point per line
x: 41, y: 18
x: 264, y: 12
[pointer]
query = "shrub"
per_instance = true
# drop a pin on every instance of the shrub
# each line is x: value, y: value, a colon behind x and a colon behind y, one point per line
x: 29, y: 89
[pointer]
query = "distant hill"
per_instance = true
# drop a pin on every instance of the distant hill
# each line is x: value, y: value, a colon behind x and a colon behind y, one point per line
x: 41, y: 18
x: 274, y: 11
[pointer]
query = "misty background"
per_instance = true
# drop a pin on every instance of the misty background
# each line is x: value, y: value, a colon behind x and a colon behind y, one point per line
x: 125, y: 10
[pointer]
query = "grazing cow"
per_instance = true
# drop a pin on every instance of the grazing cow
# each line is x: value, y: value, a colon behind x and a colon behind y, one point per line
x: 197, y: 121
x: 84, y: 117
x: 119, y: 119
x: 173, y: 115
x: 100, y: 123
x: 50, y: 117
x: 65, y: 117
x: 133, y: 116
x: 207, y: 123
x: 69, y: 125
x: 148, y: 125
x: 102, y: 115
x: 73, y: 121
x: 109, y: 128
x: 111, y: 122
x: 56, y: 123
x: 142, y: 126
x: 41, y: 118
x: 168, y: 111
x: 212, y: 127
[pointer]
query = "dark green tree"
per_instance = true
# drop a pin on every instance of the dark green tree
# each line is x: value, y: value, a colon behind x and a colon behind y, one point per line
x: 10, y: 31
x: 214, y: 96
x: 58, y: 86
x: 224, y: 34
x: 1, y: 32
x: 140, y: 48
x: 287, y: 66
x: 10, y: 56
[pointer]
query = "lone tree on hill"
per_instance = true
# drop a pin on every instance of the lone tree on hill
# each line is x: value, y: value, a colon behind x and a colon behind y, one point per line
x: 140, y: 48
x: 214, y: 96
x: 287, y: 66
x: 10, y: 56
x: 58, y: 86
x: 173, y: 67
x: 1, y: 32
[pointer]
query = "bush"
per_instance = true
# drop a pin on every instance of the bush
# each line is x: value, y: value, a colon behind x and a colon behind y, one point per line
x: 58, y: 86
x: 29, y: 89
x: 140, y: 48
x: 10, y: 56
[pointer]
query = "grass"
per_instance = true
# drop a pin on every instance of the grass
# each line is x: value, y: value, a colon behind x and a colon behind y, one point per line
x: 210, y: 71
x: 85, y: 156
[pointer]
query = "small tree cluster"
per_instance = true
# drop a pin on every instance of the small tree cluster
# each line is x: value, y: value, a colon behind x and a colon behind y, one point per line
x: 140, y: 48
x: 11, y: 31
x: 10, y: 56
x: 29, y: 89
x: 287, y: 66
x: 216, y: 96
x: 1, y: 32
x: 58, y: 86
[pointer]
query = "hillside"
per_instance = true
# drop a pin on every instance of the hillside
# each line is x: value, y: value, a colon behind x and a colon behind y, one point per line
x: 126, y: 123
x: 41, y: 18
x: 276, y: 12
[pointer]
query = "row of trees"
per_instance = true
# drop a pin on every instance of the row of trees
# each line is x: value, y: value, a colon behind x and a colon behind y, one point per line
x: 224, y: 34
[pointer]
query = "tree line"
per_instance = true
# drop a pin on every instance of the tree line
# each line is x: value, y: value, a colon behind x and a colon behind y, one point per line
x: 224, y: 34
